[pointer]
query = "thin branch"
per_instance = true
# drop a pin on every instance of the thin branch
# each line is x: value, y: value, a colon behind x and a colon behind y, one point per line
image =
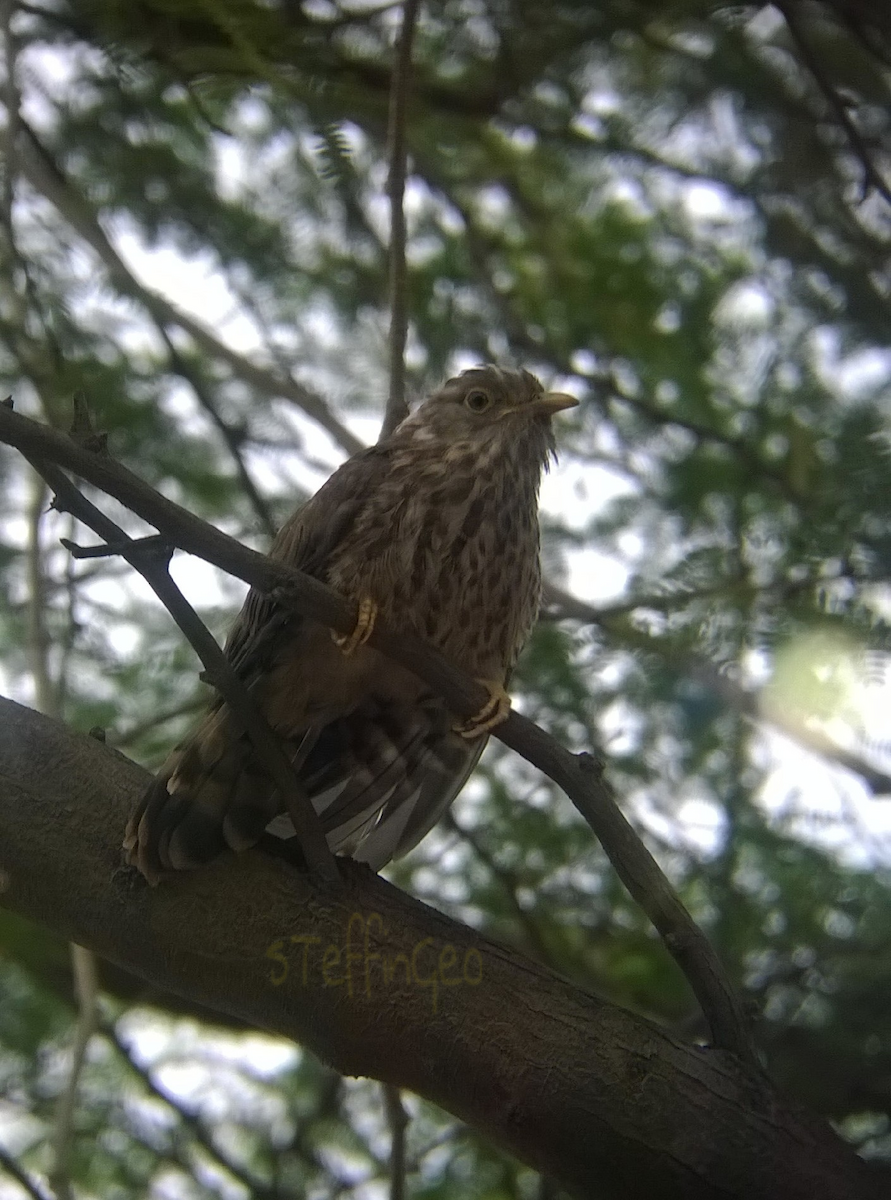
x: 564, y: 606
x: 230, y: 436
x: 535, y: 942
x: 397, y: 409
x: 580, y: 777
x: 45, y: 175
x: 86, y: 990
x: 12, y: 101
x: 397, y: 1119
x: 150, y: 558
x: 188, y: 1117
x: 872, y: 177
x: 12, y: 1168
x: 39, y: 641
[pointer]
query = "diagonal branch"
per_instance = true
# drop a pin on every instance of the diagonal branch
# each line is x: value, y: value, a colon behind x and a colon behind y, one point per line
x: 580, y: 777
x: 377, y: 984
x: 45, y: 176
x: 150, y: 558
x: 230, y: 435
x: 22, y: 1178
x: 872, y: 177
x: 190, y: 1118
x: 564, y: 606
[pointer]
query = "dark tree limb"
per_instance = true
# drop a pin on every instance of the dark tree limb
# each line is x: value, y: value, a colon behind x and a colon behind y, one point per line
x: 397, y: 1119
x: 581, y: 777
x: 150, y: 557
x: 872, y: 176
x: 22, y: 1178
x: 377, y: 984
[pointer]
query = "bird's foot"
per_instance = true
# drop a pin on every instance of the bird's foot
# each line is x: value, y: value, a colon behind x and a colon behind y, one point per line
x: 494, y: 711
x: 351, y: 642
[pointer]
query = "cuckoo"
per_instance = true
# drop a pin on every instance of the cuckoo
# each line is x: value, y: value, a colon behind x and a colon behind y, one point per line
x: 436, y: 528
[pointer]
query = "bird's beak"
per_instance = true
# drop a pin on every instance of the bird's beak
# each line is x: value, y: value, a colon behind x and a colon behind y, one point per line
x: 553, y: 402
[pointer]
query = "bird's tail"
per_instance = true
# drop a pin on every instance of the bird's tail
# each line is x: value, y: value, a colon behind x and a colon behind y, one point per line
x: 379, y: 778
x: 210, y: 794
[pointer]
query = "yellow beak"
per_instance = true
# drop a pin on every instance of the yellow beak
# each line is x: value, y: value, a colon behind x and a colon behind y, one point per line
x: 553, y: 402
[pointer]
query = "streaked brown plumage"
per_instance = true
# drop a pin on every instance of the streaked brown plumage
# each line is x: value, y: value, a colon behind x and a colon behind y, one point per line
x: 437, y: 525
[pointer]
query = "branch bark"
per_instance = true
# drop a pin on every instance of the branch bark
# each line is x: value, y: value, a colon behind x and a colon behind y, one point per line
x: 377, y: 984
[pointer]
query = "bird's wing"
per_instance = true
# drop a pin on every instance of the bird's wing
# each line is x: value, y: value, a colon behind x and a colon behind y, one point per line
x: 194, y: 818
x: 381, y: 776
x: 306, y: 541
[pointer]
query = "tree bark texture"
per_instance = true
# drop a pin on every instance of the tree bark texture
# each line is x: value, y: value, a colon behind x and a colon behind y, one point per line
x: 377, y: 984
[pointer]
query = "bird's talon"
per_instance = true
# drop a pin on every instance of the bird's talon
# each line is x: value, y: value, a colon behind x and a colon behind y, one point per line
x: 494, y: 711
x: 350, y: 642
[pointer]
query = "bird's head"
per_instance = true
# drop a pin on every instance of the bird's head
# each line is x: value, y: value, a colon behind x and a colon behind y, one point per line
x: 490, y: 408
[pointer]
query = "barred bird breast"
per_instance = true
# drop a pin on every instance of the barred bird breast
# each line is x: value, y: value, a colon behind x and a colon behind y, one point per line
x: 435, y: 527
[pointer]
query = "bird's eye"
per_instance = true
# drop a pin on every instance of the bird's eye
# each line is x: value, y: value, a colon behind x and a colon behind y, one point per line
x: 477, y: 401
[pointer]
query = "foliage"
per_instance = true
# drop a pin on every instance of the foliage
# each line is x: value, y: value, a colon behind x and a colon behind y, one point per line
x: 654, y: 205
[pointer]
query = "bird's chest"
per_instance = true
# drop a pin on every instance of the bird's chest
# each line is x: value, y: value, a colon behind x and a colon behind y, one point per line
x: 457, y: 563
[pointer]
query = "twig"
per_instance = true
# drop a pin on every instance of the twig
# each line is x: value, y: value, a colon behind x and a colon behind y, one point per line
x: 397, y: 409
x: 397, y: 1119
x: 566, y: 607
x: 256, y: 1187
x: 535, y: 942
x: 12, y: 1168
x: 46, y: 177
x: 150, y: 557
x: 872, y: 177
x: 579, y: 777
x: 86, y: 989
x: 45, y: 692
x: 230, y: 436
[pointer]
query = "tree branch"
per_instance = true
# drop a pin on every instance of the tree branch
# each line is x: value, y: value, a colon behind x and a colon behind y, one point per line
x: 86, y: 990
x: 45, y: 176
x: 378, y: 984
x: 257, y: 1188
x: 397, y: 1118
x: 25, y: 1182
x: 745, y: 701
x: 580, y: 777
x: 151, y: 560
x: 397, y: 409
x: 872, y: 177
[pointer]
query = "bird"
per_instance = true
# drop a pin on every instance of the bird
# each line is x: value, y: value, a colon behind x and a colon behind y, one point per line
x: 435, y: 527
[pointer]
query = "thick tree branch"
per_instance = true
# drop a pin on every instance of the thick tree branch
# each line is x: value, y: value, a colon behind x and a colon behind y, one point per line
x: 377, y: 984
x: 580, y: 777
